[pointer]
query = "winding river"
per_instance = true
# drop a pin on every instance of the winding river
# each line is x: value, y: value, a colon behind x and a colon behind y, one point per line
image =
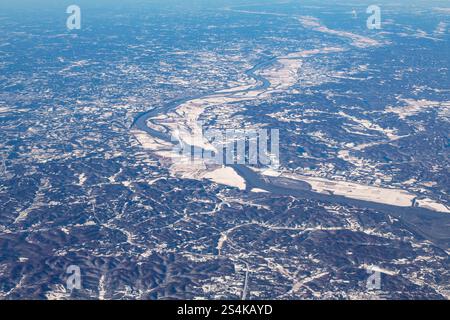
x: 426, y: 223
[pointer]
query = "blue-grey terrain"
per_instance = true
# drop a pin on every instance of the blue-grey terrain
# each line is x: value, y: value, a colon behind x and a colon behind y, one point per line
x: 356, y: 205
